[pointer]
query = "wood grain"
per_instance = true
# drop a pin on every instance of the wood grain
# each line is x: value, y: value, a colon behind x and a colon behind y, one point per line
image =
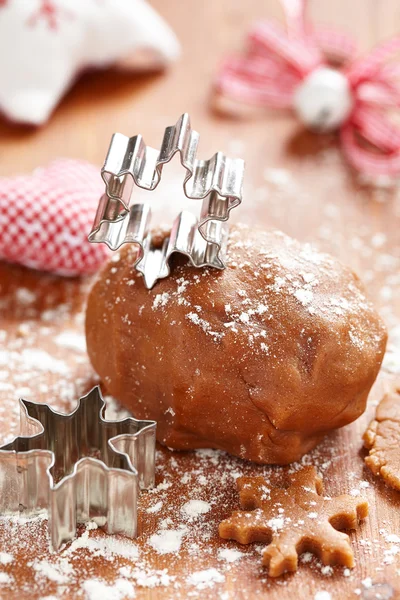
x: 313, y: 196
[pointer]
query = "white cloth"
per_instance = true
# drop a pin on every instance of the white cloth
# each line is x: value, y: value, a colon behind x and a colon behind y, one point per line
x: 44, y: 44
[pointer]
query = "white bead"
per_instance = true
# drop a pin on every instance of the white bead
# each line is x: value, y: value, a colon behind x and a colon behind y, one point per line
x: 323, y: 100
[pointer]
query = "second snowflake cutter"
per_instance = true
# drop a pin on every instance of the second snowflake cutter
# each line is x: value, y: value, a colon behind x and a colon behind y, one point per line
x: 78, y: 466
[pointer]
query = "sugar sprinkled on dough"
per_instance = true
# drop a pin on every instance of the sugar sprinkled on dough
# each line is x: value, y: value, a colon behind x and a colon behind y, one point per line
x: 293, y: 278
x: 304, y: 296
x: 205, y: 326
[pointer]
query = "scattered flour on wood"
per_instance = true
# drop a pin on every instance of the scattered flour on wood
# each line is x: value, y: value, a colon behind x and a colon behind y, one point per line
x: 5, y: 578
x: 6, y: 558
x: 391, y: 361
x: 59, y: 572
x: 72, y: 341
x: 98, y: 590
x: 323, y: 595
x: 206, y: 578
x: 155, y: 508
x: 230, y: 555
x: 167, y: 541
x: 194, y: 508
x: 104, y: 546
x: 25, y: 296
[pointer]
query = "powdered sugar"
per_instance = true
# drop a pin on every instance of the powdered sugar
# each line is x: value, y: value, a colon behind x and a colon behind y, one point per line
x: 167, y: 541
x: 24, y: 296
x: 304, y: 296
x: 209, y: 477
x: 205, y: 326
x: 99, y: 590
x: 59, y: 572
x: 160, y: 300
x: 6, y: 558
x: 322, y: 596
x: 105, y: 546
x: 230, y: 555
x: 72, y: 341
x: 42, y: 361
x: 286, y: 276
x: 5, y: 578
x: 155, y: 509
x: 276, y: 523
x: 205, y: 579
x: 391, y: 361
x: 194, y: 508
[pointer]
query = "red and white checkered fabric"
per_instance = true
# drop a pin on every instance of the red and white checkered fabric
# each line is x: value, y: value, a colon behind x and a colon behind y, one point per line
x: 45, y: 218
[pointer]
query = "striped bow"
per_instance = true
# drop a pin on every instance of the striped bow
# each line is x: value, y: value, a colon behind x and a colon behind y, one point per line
x: 291, y: 67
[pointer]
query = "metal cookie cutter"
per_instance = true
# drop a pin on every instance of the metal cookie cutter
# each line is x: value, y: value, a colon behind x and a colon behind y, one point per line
x: 78, y: 466
x: 217, y: 181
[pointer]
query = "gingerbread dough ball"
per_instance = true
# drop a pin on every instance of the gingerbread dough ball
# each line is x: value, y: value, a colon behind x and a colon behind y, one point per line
x: 261, y: 359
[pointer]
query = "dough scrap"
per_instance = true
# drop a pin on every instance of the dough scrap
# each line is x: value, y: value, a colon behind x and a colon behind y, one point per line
x: 294, y: 520
x: 382, y: 438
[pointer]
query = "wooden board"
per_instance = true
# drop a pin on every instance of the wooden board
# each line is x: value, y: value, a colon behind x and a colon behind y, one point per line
x: 295, y: 181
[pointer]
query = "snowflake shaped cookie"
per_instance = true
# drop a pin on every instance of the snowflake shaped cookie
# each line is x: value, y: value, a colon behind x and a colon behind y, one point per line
x: 294, y: 520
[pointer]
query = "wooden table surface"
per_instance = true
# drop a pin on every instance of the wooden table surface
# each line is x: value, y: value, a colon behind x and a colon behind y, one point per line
x: 295, y: 181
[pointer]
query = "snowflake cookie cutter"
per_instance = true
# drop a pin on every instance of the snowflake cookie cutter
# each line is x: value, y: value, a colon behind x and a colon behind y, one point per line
x: 78, y: 466
x: 217, y: 182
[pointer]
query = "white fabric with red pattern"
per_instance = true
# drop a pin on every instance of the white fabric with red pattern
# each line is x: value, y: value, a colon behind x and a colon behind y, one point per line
x: 45, y: 44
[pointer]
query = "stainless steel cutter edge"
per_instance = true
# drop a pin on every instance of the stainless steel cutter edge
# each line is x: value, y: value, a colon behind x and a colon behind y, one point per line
x: 217, y: 182
x: 91, y: 489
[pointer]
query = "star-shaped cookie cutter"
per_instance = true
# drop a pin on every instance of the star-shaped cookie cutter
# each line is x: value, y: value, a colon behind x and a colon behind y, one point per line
x: 217, y: 182
x: 78, y: 466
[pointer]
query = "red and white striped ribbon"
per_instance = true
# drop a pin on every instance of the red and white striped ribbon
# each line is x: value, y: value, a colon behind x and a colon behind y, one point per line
x: 277, y: 60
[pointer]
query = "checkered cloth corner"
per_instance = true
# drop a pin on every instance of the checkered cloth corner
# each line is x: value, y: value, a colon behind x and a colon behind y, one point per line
x: 45, y: 218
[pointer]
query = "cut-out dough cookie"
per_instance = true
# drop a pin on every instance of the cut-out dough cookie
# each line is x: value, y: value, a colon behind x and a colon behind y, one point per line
x: 382, y: 439
x: 294, y: 520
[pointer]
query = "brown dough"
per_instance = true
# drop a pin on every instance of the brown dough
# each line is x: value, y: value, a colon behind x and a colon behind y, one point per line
x: 382, y: 438
x: 294, y: 520
x: 261, y: 359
